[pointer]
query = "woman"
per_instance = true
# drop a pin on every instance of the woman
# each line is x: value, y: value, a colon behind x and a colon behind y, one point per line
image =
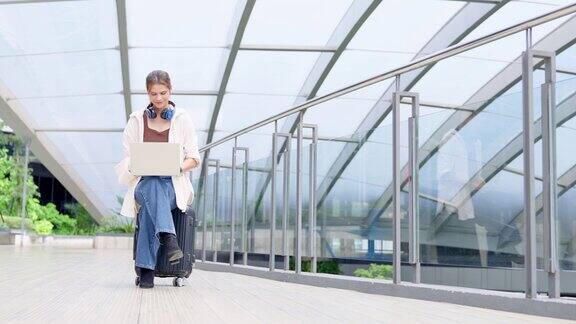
x: 152, y: 198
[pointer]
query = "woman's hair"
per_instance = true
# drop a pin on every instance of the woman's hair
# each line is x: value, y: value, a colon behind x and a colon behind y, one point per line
x: 158, y: 77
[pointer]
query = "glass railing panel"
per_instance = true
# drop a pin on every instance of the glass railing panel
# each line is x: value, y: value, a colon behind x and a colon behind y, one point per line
x: 567, y: 230
x: 566, y: 179
x: 472, y: 200
x: 470, y: 195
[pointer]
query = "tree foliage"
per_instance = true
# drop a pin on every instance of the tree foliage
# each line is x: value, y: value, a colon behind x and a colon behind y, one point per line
x: 12, y: 172
x: 375, y: 271
x: 44, y: 219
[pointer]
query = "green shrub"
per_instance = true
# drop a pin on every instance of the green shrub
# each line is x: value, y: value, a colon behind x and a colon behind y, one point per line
x: 12, y: 172
x: 11, y: 175
x: 116, y: 225
x: 375, y: 271
x: 329, y: 266
x: 85, y: 224
x: 14, y: 222
x: 4, y: 227
x: 63, y: 224
x: 43, y: 227
x: 322, y: 266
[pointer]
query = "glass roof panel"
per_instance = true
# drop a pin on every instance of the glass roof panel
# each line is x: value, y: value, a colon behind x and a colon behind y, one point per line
x: 397, y: 26
x: 295, y: 22
x: 74, y: 148
x: 202, y: 136
x: 101, y: 111
x: 345, y: 116
x: 456, y: 79
x: 199, y: 107
x: 567, y: 59
x: 556, y: 2
x: 189, y: 23
x: 259, y: 147
x: 98, y: 177
x: 510, y: 48
x: 512, y: 13
x: 223, y: 151
x: 280, y: 73
x: 189, y: 69
x: 240, y: 110
x: 355, y: 66
x: 371, y: 92
x: 57, y: 26
x: 62, y: 74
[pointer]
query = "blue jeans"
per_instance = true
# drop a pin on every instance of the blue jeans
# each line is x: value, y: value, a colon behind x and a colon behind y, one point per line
x: 157, y: 198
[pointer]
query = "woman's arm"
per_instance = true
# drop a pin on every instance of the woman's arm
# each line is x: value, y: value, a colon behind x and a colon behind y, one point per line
x: 123, y: 168
x: 191, y: 154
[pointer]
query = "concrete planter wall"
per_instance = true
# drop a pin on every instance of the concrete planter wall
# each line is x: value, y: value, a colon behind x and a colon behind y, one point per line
x: 99, y: 241
x: 5, y: 238
x: 85, y: 242
x: 113, y: 241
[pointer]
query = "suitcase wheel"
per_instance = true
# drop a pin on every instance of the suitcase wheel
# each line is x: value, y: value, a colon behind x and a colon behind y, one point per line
x: 137, y: 281
x: 178, y: 282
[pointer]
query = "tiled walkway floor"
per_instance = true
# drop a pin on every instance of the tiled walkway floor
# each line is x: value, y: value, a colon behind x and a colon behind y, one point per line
x: 57, y: 285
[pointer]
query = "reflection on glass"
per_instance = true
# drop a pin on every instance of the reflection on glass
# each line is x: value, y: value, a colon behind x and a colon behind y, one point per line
x: 452, y: 176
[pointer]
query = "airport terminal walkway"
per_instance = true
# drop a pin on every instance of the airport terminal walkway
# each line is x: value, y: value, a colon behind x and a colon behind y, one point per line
x: 59, y: 285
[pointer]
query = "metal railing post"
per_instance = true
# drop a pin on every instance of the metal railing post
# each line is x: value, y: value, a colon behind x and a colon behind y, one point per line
x: 272, y: 254
x: 549, y: 192
x: 214, y: 205
x: 312, y: 198
x: 298, y: 246
x: 233, y: 202
x: 244, y: 202
x: 413, y: 193
x: 529, y: 200
x: 396, y: 178
x: 204, y: 213
x: 285, y: 200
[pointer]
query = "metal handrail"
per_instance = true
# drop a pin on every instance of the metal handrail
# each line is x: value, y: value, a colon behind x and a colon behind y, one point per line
x: 424, y: 61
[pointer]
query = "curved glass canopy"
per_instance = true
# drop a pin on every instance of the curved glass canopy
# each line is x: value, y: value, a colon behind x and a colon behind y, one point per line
x: 72, y: 71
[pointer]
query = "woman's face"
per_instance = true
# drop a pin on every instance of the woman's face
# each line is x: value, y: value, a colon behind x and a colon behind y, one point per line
x: 159, y: 95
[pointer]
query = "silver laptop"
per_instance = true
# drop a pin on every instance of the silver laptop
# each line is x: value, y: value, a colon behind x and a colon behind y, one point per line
x: 155, y: 159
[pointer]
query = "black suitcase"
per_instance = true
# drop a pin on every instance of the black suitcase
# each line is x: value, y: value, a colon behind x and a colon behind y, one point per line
x: 184, y: 224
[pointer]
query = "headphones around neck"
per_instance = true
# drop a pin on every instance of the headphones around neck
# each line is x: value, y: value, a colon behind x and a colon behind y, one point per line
x: 167, y: 113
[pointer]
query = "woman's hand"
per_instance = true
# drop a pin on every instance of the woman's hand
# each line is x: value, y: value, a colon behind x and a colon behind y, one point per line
x: 189, y: 164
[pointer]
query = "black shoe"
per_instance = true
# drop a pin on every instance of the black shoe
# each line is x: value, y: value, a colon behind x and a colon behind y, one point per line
x: 172, y: 249
x: 146, y: 278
